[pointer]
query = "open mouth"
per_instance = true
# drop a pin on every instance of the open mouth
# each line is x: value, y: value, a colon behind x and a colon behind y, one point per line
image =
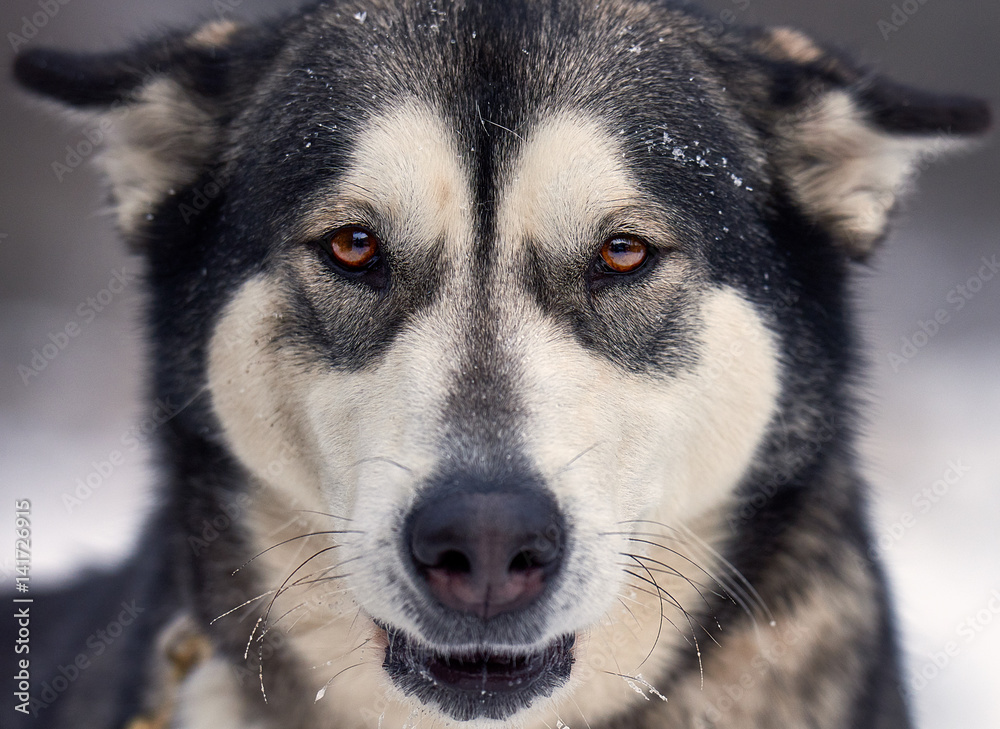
x: 482, y: 684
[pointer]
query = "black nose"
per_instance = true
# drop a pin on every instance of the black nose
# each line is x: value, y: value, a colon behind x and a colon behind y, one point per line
x: 486, y: 553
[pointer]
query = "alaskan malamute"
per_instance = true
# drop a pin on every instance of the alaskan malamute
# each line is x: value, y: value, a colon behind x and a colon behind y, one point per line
x: 510, y: 368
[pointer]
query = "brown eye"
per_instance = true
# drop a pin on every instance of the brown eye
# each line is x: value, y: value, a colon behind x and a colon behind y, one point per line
x: 624, y: 253
x: 353, y: 248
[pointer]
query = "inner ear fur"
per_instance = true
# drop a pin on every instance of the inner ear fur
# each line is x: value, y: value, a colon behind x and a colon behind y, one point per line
x: 157, y: 109
x: 846, y: 144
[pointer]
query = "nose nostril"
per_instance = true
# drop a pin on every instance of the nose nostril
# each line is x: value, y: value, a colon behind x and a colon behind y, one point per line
x: 522, y: 562
x: 453, y: 561
x: 539, y: 555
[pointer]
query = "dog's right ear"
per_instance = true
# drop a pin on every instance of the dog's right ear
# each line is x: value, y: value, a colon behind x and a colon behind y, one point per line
x: 845, y: 143
x: 157, y: 110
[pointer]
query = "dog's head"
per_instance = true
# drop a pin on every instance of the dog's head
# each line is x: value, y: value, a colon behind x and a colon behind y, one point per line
x: 519, y: 295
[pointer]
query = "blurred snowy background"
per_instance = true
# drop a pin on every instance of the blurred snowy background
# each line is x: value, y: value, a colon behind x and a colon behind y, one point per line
x: 932, y: 448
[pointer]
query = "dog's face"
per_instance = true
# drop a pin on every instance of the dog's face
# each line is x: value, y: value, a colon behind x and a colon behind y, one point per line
x: 495, y: 382
x: 506, y: 306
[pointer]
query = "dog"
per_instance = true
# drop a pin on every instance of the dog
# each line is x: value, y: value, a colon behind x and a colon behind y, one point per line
x: 511, y: 374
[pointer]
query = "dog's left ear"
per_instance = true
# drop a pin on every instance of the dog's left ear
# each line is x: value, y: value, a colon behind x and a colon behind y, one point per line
x: 845, y: 144
x: 156, y: 111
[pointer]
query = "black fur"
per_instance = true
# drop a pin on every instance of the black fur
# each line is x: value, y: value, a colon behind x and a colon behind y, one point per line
x: 269, y: 88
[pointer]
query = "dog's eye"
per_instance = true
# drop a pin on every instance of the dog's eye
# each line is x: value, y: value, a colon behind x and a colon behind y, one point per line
x: 624, y: 253
x: 352, y: 247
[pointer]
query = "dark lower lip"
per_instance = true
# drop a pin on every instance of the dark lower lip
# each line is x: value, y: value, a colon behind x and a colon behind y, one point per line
x: 489, y: 683
x: 496, y: 672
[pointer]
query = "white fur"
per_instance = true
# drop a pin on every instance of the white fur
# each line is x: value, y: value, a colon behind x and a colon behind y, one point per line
x: 668, y: 449
x: 845, y: 171
x: 211, y: 699
x: 155, y: 143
